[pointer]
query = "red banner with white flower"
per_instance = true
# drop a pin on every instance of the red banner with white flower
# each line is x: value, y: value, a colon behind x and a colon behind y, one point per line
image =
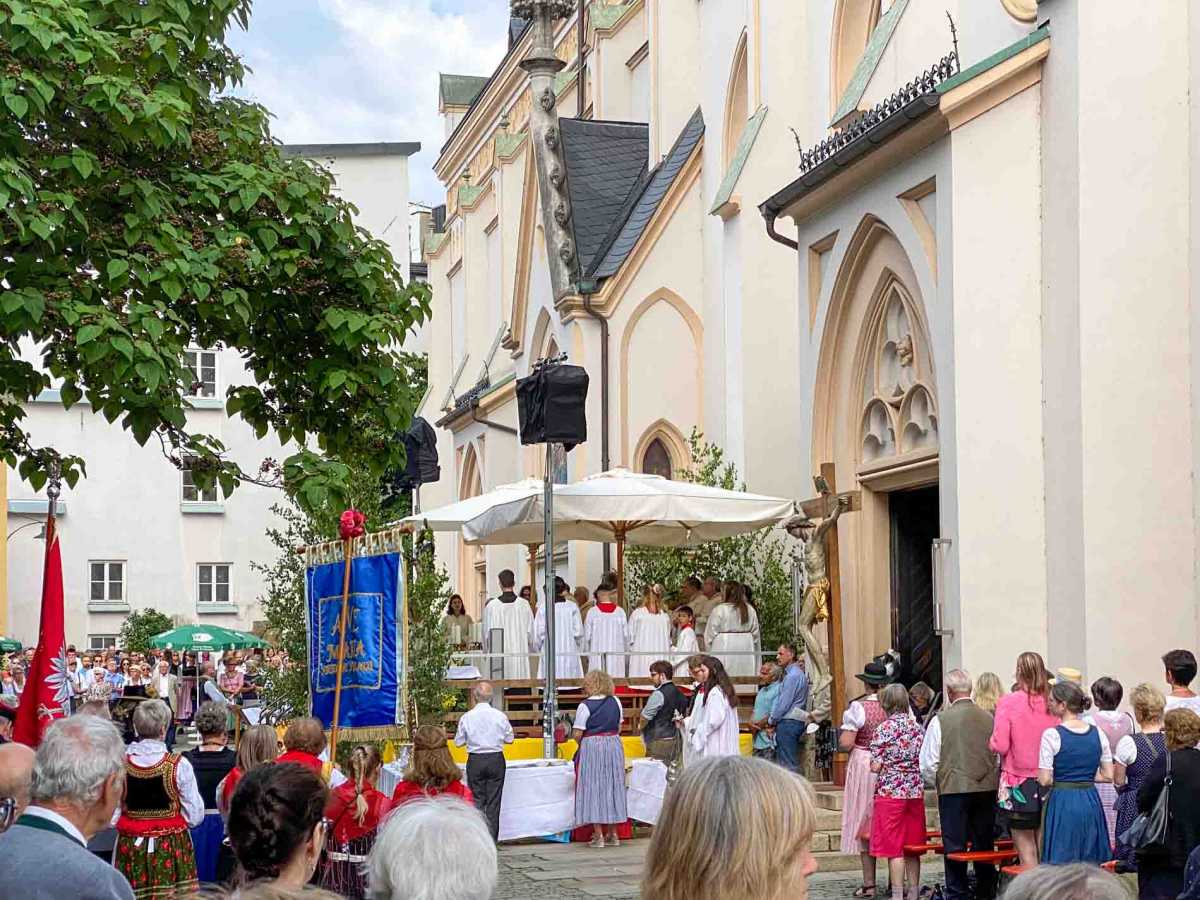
x: 47, y: 693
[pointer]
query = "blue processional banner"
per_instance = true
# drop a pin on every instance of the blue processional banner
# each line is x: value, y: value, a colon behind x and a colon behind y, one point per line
x: 373, y: 672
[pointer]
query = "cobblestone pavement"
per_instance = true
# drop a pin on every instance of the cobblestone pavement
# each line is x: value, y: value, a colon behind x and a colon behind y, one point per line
x: 547, y: 871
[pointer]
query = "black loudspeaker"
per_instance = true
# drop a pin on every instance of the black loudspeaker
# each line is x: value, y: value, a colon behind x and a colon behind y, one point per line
x: 420, y: 447
x: 550, y: 406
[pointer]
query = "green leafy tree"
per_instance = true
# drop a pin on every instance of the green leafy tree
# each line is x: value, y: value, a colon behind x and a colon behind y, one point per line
x: 761, y: 559
x: 429, y: 648
x: 145, y: 211
x: 141, y: 625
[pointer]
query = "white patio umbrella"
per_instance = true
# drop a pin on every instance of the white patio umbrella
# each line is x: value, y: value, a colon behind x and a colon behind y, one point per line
x: 624, y: 506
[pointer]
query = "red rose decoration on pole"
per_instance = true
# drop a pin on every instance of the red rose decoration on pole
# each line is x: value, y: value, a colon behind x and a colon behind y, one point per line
x: 352, y: 524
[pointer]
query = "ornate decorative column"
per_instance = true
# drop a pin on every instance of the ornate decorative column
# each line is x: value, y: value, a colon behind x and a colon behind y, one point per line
x: 542, y: 66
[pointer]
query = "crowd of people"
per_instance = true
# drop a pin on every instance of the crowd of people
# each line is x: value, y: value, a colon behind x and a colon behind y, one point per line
x: 1061, y: 770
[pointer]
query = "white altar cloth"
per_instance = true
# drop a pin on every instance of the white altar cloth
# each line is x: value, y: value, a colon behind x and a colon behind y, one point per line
x: 539, y: 796
x: 647, y: 785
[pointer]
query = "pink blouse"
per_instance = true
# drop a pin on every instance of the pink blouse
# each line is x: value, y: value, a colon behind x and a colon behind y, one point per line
x: 1021, y: 719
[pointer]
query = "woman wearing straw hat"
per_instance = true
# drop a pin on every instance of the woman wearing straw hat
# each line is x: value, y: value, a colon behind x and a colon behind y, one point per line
x: 861, y: 719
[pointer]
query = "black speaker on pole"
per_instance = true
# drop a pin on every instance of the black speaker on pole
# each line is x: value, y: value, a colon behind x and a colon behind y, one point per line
x: 551, y: 405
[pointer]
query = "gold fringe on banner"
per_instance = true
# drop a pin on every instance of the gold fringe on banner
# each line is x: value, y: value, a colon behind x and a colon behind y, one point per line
x: 375, y: 543
x: 396, y: 733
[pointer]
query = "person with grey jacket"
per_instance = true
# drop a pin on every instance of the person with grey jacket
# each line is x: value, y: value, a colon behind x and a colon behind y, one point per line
x: 78, y: 780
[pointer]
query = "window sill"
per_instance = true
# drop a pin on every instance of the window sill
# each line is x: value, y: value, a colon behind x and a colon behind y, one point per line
x: 216, y: 609
x: 35, y: 507
x: 201, y: 508
x: 97, y: 606
x: 205, y: 402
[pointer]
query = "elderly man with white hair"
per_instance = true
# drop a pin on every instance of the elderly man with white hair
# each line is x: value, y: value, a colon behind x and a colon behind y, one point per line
x: 154, y: 847
x: 484, y: 731
x: 78, y: 778
x: 956, y: 759
x: 436, y: 849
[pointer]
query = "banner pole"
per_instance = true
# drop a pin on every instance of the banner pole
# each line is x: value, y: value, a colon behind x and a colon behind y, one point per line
x: 550, y: 695
x: 341, y: 663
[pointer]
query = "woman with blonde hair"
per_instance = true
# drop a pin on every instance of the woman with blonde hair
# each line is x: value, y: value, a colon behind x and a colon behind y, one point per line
x: 988, y: 691
x: 733, y: 827
x: 259, y: 745
x: 355, y: 810
x: 432, y: 770
x: 649, y: 632
x: 1022, y: 718
x: 600, y: 761
x: 1132, y: 758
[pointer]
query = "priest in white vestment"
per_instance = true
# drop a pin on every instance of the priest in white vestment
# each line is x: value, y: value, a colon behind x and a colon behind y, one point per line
x: 511, y: 617
x: 733, y: 635
x: 649, y: 633
x: 568, y: 633
x: 606, y: 635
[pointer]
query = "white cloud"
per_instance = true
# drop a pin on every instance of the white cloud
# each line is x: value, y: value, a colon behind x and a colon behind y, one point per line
x: 367, y: 70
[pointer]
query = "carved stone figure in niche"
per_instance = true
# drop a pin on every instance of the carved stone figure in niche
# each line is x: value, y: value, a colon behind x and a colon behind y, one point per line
x: 552, y: 138
x: 566, y: 251
x: 562, y: 214
x: 556, y: 177
x: 904, y: 350
x: 547, y: 99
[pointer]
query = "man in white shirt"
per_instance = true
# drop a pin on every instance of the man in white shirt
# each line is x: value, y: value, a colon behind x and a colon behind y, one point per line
x: 1180, y: 666
x: 484, y: 731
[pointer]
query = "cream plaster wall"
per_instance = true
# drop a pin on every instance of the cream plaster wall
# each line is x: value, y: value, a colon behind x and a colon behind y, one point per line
x: 613, y: 78
x: 1135, y: 317
x: 674, y: 88
x: 999, y: 543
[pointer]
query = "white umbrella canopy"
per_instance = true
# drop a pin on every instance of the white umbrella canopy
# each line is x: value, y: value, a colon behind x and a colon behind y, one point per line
x: 620, y: 505
x: 455, y: 516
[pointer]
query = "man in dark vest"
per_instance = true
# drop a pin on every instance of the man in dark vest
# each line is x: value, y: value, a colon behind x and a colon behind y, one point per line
x: 955, y: 758
x: 659, y: 731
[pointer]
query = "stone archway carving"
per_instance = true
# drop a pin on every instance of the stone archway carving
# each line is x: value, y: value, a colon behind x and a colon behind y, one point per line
x: 875, y: 416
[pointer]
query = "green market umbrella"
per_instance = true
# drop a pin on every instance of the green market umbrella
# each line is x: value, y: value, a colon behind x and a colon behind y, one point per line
x: 9, y: 645
x: 204, y: 637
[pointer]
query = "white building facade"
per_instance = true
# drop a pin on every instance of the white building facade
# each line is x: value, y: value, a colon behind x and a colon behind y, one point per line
x: 136, y: 532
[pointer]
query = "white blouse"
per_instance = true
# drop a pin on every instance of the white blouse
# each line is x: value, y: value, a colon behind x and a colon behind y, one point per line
x: 855, y: 716
x: 1052, y: 743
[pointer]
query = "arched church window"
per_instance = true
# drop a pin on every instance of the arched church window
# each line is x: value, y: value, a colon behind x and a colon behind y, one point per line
x: 853, y: 22
x: 656, y: 460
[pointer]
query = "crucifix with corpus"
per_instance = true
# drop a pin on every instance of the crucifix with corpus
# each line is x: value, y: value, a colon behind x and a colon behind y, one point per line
x: 816, y: 529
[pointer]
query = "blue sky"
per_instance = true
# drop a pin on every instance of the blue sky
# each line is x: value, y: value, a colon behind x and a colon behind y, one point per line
x: 337, y: 71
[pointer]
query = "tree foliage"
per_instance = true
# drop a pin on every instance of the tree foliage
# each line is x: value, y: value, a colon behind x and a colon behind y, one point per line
x: 144, y: 210
x: 761, y: 559
x: 429, y: 648
x: 141, y: 625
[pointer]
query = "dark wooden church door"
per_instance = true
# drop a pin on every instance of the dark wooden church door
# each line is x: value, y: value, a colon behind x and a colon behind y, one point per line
x: 915, y: 524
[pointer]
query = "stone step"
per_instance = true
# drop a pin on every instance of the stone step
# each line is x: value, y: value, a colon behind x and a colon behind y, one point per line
x: 830, y: 797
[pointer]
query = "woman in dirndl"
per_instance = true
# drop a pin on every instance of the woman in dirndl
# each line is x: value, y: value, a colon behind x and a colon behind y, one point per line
x: 1133, y: 757
x: 154, y: 849
x: 211, y: 762
x: 1073, y: 826
x: 600, y: 761
x: 1107, y: 694
x: 354, y: 812
x: 861, y: 719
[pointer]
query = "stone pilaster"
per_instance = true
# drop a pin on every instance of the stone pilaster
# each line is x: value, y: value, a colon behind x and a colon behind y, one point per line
x: 542, y: 66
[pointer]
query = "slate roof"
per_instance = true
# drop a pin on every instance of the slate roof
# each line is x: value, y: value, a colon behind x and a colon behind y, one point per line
x: 460, y: 90
x: 644, y: 201
x: 516, y: 28
x: 605, y: 162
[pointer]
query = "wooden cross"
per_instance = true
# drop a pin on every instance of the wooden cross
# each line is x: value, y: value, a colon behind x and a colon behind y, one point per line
x: 818, y: 508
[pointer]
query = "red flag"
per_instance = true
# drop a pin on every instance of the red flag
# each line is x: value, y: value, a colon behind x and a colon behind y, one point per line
x: 47, y: 691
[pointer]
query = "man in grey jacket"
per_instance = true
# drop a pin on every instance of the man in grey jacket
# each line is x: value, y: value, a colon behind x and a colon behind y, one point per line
x: 78, y: 779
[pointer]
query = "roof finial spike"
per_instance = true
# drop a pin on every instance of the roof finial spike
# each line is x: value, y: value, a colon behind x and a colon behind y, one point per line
x: 954, y: 39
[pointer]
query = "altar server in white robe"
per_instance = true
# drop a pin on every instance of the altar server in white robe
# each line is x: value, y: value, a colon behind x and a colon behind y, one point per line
x: 732, y: 634
x: 606, y: 634
x: 512, y: 616
x: 686, y: 643
x: 568, y: 633
x: 649, y: 632
x: 712, y: 727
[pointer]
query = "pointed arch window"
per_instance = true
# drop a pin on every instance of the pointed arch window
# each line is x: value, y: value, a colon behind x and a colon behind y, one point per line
x: 737, y: 102
x: 656, y: 459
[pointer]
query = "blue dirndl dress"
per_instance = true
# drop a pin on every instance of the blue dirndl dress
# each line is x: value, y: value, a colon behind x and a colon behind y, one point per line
x: 1073, y: 825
